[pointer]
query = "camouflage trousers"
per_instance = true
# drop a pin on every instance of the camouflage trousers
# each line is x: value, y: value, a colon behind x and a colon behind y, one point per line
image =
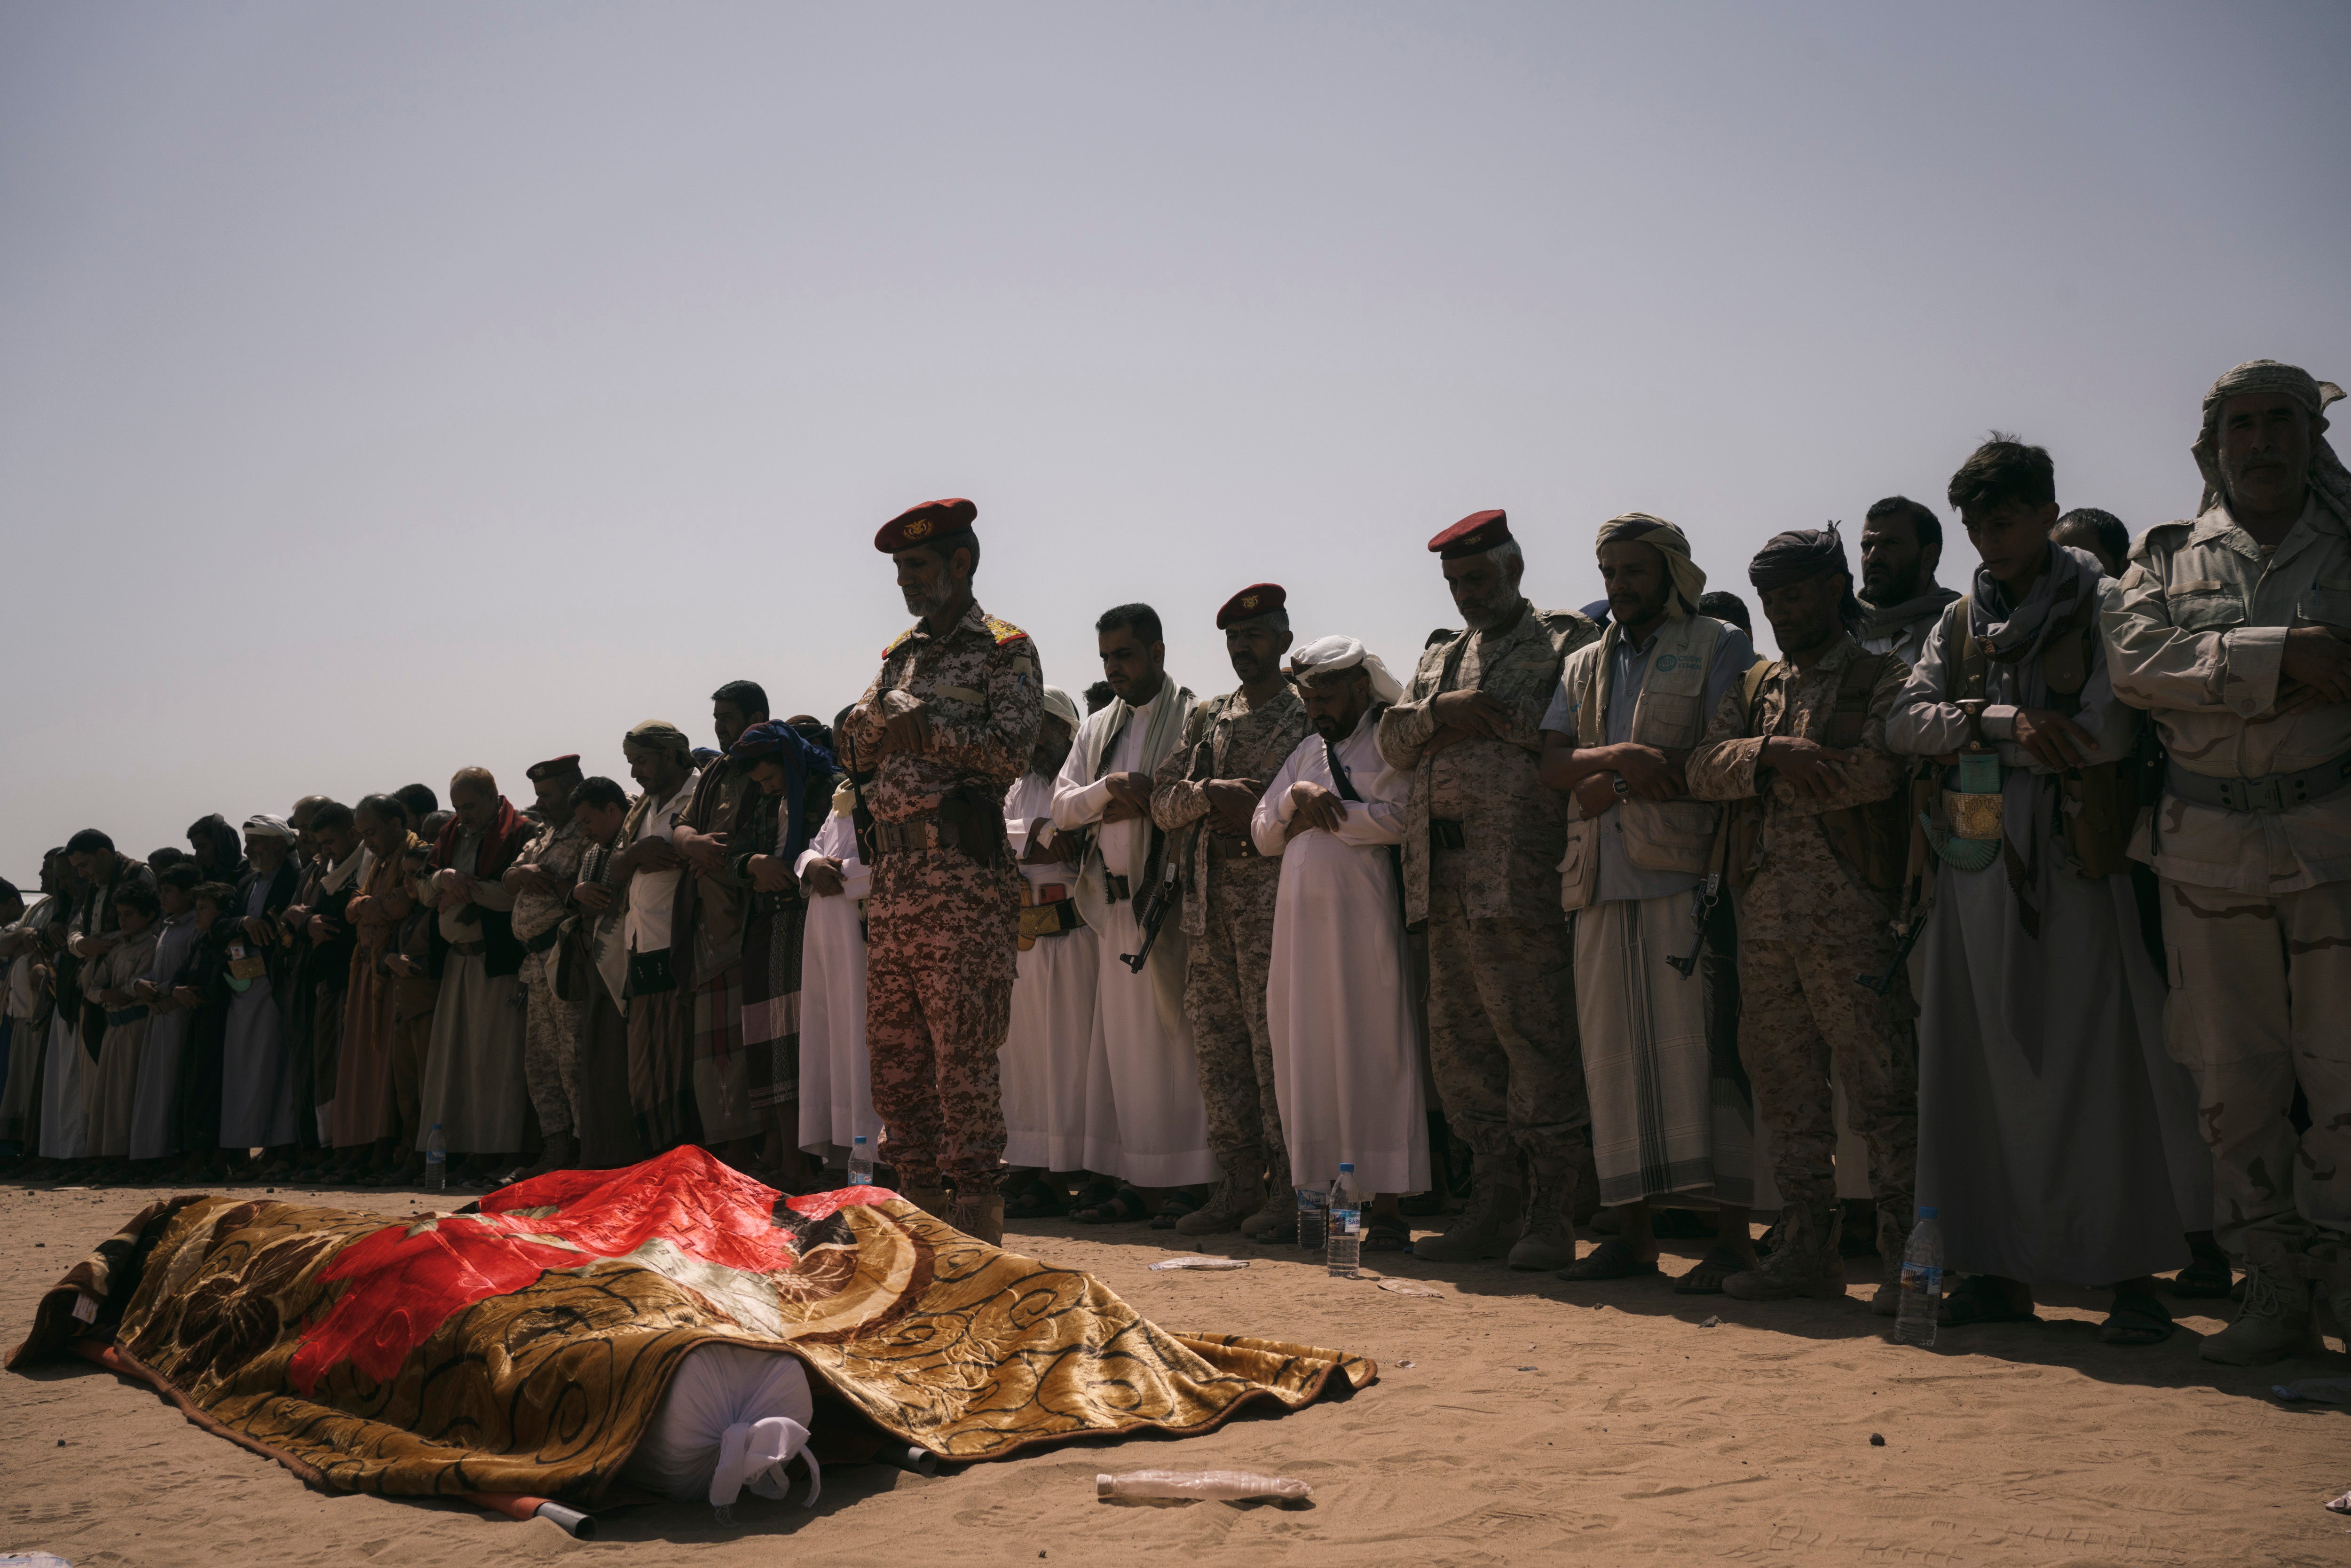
x: 1803, y: 1018
x: 1224, y: 1001
x: 551, y: 1046
x: 2261, y: 991
x: 942, y: 935
x: 1501, y: 1027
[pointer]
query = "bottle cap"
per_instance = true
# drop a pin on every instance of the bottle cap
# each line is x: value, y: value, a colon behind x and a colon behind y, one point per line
x: 1346, y: 1168
x: 1926, y: 1211
x: 859, y: 1140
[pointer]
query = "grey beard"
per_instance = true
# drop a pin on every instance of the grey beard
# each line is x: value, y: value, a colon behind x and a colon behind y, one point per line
x: 1487, y: 623
x: 931, y: 606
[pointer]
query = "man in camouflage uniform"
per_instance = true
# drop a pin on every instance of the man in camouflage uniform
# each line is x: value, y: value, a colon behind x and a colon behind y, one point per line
x: 1481, y: 853
x: 2234, y: 631
x: 541, y: 883
x: 1231, y: 745
x: 944, y: 730
x: 1802, y: 744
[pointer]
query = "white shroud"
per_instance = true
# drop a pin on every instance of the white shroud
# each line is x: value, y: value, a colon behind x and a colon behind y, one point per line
x: 1348, y: 1051
x: 836, y: 1080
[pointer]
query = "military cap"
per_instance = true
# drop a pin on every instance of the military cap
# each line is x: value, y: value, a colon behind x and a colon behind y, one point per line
x: 1257, y: 599
x: 553, y: 768
x: 1473, y: 535
x: 926, y: 525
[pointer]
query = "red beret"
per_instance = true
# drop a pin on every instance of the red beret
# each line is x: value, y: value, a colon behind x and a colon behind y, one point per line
x: 924, y: 524
x: 552, y: 767
x: 1473, y: 535
x: 1257, y: 599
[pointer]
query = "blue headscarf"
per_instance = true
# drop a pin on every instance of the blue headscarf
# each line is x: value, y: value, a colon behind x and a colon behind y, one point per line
x: 770, y: 740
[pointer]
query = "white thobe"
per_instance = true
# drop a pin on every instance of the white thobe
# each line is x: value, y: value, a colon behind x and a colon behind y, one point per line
x: 1148, y: 1123
x: 1348, y: 1050
x: 836, y: 1080
x: 1049, y: 1057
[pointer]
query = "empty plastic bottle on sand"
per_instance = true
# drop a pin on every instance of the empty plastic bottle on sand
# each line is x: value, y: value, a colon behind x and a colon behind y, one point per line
x: 1346, y: 1249
x: 860, y: 1162
x: 1922, y: 1282
x: 1219, y: 1484
x: 1313, y: 1204
x: 437, y: 1159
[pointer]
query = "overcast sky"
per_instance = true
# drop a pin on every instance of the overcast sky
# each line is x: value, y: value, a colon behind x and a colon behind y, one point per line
x: 390, y: 388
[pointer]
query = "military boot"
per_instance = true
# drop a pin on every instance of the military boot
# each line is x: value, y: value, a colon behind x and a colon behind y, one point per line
x: 931, y: 1200
x: 1486, y: 1226
x: 2275, y: 1322
x: 1275, y: 1218
x: 1548, y: 1242
x: 1807, y: 1261
x: 1237, y: 1197
x: 980, y: 1216
x: 2329, y: 1268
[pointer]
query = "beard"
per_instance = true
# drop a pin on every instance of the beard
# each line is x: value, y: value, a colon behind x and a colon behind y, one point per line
x: 928, y: 604
x: 1894, y: 587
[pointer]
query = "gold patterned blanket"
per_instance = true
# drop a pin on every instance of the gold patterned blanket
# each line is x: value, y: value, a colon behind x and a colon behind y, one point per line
x: 524, y: 1348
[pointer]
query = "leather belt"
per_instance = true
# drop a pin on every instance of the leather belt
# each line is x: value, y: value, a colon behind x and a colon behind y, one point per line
x: 2268, y: 795
x: 469, y: 949
x: 1444, y: 834
x: 1224, y: 846
x: 544, y: 940
x: 930, y: 832
x: 122, y: 1016
x: 1116, y: 888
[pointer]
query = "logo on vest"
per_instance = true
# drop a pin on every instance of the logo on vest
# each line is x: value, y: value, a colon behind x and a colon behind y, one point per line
x: 1666, y: 660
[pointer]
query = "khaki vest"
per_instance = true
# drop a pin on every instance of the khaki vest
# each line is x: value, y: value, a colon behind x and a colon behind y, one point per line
x: 1670, y: 715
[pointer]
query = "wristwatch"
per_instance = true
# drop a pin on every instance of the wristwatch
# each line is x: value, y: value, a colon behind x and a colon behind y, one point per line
x: 1624, y: 791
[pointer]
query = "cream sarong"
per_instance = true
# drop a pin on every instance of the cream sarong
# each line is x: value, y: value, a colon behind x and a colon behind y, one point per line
x: 1661, y: 1122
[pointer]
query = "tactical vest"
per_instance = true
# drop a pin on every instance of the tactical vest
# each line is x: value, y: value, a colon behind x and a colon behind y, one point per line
x: 2100, y: 802
x: 1670, y: 715
x: 1872, y: 839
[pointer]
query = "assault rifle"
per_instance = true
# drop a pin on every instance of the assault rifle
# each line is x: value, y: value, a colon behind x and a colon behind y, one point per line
x: 1165, y: 870
x: 1917, y: 886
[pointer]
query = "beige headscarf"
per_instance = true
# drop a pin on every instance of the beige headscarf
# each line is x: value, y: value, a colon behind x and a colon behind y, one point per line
x: 1061, y: 705
x: 2328, y: 475
x: 1346, y: 653
x: 1689, y: 582
x: 658, y: 735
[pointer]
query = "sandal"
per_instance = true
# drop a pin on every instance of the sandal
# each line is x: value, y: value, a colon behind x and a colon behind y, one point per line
x: 1382, y: 1234
x: 1612, y: 1259
x: 1179, y: 1204
x: 1981, y: 1299
x: 2136, y: 1319
x: 1124, y: 1206
x: 1039, y: 1199
x: 2207, y: 1277
x: 1706, y: 1279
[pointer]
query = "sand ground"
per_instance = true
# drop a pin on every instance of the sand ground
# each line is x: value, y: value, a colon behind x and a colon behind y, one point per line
x: 1516, y: 1420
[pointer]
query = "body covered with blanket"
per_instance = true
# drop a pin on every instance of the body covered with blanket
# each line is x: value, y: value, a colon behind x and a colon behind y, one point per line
x: 527, y: 1347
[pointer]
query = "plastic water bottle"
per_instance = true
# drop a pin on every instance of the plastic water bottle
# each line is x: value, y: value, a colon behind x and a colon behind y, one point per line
x: 1346, y: 1249
x: 437, y: 1159
x: 860, y: 1162
x: 1922, y: 1284
x: 1312, y: 1206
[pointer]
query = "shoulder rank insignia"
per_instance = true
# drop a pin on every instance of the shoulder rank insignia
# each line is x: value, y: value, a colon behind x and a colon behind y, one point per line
x: 900, y: 638
x: 1003, y: 630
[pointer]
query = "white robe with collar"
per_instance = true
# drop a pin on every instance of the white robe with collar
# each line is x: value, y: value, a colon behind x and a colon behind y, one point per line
x: 836, y: 1078
x: 1050, y: 1058
x: 1147, y: 1122
x: 1349, y: 1051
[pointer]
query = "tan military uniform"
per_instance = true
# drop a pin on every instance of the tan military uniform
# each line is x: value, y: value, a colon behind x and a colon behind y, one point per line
x: 1228, y: 899
x: 550, y: 1048
x: 2253, y: 841
x: 944, y: 918
x: 1809, y: 921
x: 1482, y: 851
